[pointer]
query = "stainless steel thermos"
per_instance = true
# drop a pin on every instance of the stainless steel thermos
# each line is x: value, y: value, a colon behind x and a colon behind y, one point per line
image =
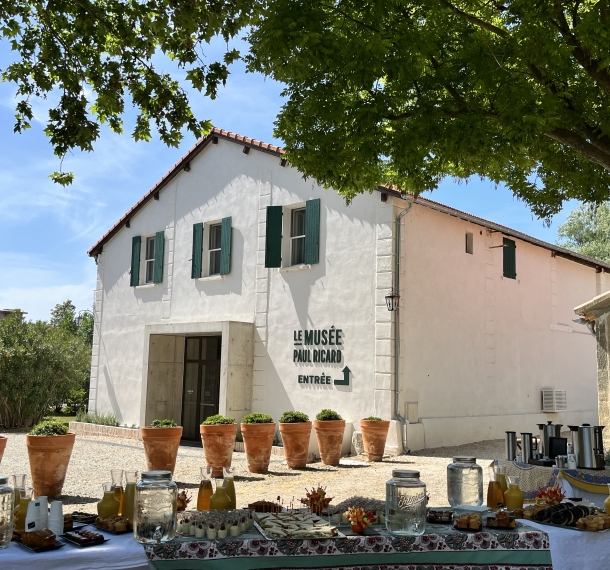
x: 588, y: 446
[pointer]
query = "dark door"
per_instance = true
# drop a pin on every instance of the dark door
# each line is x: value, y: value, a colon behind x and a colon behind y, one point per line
x: 201, y: 383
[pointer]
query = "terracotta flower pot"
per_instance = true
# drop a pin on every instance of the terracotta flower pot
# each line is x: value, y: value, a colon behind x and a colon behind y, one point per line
x: 161, y: 447
x: 329, y: 434
x: 295, y: 438
x: 218, y: 443
x: 258, y: 440
x: 2, y: 446
x: 374, y: 434
x: 49, y: 457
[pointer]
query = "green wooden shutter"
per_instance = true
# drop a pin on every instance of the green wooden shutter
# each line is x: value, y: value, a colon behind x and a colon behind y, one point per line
x: 158, y: 267
x: 225, y: 246
x: 136, y: 244
x: 510, y: 261
x: 273, y: 245
x: 197, y: 251
x: 312, y: 231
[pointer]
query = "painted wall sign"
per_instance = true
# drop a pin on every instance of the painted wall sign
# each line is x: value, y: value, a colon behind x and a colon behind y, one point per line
x: 320, y: 346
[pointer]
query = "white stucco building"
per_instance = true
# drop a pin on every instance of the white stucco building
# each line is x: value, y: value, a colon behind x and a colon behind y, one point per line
x: 235, y: 285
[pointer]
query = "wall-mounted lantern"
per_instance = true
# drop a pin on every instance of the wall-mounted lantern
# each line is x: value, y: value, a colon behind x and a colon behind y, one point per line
x: 392, y: 300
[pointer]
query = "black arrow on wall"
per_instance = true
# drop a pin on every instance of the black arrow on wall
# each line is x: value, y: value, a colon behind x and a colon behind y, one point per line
x: 345, y: 381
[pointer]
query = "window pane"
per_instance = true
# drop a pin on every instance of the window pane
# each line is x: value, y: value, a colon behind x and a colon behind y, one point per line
x: 215, y: 232
x: 298, y: 223
x: 192, y: 348
x: 297, y: 256
x: 211, y: 348
x: 150, y: 248
x: 150, y: 267
x: 215, y: 262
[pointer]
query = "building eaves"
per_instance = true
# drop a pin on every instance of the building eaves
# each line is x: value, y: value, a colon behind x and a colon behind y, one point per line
x: 278, y: 151
x: 177, y: 168
x: 558, y: 250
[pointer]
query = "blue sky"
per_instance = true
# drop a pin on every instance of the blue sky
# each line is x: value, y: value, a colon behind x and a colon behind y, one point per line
x: 46, y: 230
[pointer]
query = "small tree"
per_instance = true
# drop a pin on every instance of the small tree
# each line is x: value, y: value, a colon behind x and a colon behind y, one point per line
x: 40, y: 364
x: 587, y: 231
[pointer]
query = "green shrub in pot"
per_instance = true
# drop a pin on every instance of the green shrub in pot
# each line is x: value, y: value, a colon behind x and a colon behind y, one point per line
x: 294, y: 418
x: 218, y: 420
x: 257, y: 418
x: 328, y: 415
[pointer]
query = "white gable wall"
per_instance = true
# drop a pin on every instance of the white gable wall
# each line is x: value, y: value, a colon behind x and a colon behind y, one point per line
x: 476, y: 348
x: 339, y: 291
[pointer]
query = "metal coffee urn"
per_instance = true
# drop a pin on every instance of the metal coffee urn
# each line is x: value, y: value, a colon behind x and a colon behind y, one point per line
x: 547, y: 431
x: 588, y: 446
x: 526, y: 447
x: 511, y: 445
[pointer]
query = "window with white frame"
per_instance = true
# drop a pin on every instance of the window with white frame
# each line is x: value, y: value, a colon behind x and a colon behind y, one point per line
x: 297, y: 237
x: 149, y: 260
x: 214, y: 247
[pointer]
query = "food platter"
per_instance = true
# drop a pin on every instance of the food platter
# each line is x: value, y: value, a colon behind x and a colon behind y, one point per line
x: 294, y: 525
x: 112, y: 531
x: 37, y: 549
x: 80, y: 544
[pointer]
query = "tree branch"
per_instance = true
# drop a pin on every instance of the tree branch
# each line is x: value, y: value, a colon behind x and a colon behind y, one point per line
x: 581, y: 146
x: 581, y: 55
x: 474, y: 20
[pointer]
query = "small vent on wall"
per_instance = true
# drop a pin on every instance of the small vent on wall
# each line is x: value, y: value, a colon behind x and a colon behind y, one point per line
x: 554, y: 400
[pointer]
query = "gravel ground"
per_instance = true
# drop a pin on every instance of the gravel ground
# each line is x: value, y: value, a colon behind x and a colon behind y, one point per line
x: 93, y: 457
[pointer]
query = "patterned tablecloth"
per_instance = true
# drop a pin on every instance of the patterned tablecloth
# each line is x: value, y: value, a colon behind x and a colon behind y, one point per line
x: 533, y: 477
x: 439, y: 548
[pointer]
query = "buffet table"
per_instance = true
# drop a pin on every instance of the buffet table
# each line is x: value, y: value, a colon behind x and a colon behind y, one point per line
x: 586, y: 483
x: 121, y: 552
x: 439, y: 548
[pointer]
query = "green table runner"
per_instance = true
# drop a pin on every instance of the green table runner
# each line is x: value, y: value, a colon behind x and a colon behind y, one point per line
x: 440, y: 547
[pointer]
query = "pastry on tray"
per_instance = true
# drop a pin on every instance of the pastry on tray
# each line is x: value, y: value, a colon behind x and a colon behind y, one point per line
x: 68, y: 522
x: 563, y: 514
x: 468, y: 521
x: 114, y: 524
x: 502, y: 520
x: 295, y: 524
x: 42, y: 538
x: 84, y: 536
x: 439, y: 516
x: 596, y: 522
x: 265, y: 507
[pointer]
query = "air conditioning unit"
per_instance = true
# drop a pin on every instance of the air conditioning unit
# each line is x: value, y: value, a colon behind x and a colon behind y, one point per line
x: 554, y: 400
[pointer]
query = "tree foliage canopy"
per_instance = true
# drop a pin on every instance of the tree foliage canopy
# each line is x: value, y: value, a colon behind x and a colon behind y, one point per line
x: 398, y: 92
x: 98, y: 54
x: 587, y: 231
x: 40, y: 365
x: 403, y: 92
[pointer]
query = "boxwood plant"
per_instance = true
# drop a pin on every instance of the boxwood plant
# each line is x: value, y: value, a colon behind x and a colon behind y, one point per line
x: 373, y: 419
x: 49, y: 427
x: 327, y: 415
x: 217, y: 420
x: 164, y: 423
x: 294, y: 418
x: 257, y: 418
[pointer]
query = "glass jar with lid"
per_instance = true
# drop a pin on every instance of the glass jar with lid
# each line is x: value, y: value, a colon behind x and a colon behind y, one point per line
x: 464, y: 482
x: 154, y: 518
x: 6, y: 512
x: 405, y: 503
